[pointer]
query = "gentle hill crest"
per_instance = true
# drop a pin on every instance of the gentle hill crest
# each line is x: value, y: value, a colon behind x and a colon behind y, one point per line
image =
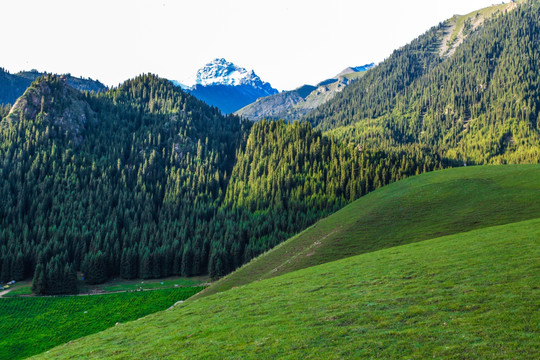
x: 418, y: 208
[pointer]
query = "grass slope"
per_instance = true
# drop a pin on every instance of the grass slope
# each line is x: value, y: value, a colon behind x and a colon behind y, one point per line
x: 460, y: 26
x: 472, y: 295
x: 32, y: 325
x: 415, y: 209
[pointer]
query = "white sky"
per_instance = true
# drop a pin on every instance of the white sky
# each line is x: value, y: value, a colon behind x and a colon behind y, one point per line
x: 287, y: 42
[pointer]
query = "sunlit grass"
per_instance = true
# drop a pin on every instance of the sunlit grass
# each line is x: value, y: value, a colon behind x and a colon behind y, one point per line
x: 473, y: 295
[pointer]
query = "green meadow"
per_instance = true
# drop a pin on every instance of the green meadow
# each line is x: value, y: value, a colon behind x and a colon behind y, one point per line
x: 472, y: 295
x: 30, y: 325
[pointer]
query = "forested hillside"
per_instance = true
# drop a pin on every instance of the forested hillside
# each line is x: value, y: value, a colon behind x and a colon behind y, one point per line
x: 146, y: 181
x: 112, y: 184
x: 289, y: 176
x: 479, y: 105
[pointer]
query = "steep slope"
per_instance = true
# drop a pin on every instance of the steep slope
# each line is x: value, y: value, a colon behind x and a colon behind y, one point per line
x: 274, y: 106
x: 12, y: 86
x: 459, y: 27
x: 58, y: 105
x: 293, y: 105
x: 287, y: 176
x: 475, y: 97
x: 470, y: 295
x: 415, y: 209
x: 228, y: 87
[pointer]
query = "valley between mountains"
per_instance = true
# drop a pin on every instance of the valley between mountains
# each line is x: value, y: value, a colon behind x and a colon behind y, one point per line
x: 392, y: 211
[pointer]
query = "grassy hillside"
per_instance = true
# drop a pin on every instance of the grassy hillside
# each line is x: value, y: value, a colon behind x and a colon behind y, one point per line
x: 471, y: 295
x: 461, y: 26
x: 32, y: 325
x: 418, y: 208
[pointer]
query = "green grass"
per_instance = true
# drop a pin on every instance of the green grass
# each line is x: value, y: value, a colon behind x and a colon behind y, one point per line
x: 25, y: 288
x: 473, y: 295
x: 415, y: 209
x: 19, y: 289
x: 484, y: 13
x: 129, y: 285
x: 30, y: 325
x: 354, y: 75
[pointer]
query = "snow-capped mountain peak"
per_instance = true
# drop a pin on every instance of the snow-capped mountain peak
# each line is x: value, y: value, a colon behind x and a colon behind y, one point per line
x: 223, y: 72
x: 227, y: 86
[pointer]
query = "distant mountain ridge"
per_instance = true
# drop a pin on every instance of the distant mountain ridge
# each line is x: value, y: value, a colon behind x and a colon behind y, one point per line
x: 355, y: 69
x: 293, y: 105
x: 12, y: 86
x: 227, y: 86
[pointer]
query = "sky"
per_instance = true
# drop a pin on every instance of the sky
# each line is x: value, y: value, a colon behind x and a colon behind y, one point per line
x: 287, y: 42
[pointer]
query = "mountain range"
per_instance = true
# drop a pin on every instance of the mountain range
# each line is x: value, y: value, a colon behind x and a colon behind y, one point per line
x: 12, y: 86
x: 235, y: 189
x: 456, y: 88
x: 293, y: 105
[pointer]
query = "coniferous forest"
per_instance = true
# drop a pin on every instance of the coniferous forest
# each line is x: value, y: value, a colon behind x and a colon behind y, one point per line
x: 480, y: 105
x: 145, y: 181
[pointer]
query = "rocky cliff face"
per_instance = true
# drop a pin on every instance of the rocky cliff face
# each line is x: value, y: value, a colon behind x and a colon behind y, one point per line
x: 55, y: 103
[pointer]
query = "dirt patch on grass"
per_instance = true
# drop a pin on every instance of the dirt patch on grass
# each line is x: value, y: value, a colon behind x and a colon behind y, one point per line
x: 4, y: 292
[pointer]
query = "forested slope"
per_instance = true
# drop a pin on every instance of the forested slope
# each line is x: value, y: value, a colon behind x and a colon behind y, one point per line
x: 288, y: 176
x: 479, y: 105
x: 110, y: 184
x: 146, y: 181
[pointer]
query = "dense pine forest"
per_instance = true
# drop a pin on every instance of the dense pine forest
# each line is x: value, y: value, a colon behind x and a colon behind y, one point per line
x: 480, y: 105
x: 145, y: 181
x: 142, y: 182
x: 289, y: 176
x: 110, y: 184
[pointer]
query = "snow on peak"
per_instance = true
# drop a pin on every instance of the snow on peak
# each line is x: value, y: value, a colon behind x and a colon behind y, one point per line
x: 223, y: 72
